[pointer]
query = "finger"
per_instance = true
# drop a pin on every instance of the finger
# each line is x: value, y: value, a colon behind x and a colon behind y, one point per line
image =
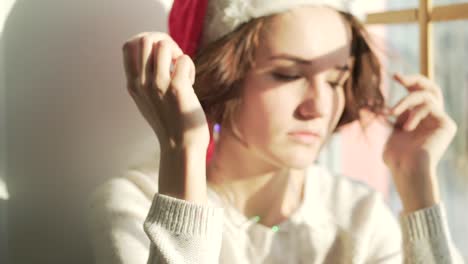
x: 131, y: 62
x: 146, y: 46
x: 176, y: 52
x: 417, y: 82
x: 401, y: 119
x: 147, y: 59
x: 162, y: 64
x: 407, y: 80
x: 180, y: 83
x: 412, y: 100
x: 416, y: 116
x: 150, y: 68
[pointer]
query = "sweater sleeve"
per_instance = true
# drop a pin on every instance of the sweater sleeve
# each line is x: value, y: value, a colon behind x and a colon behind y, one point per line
x: 419, y: 237
x: 426, y: 237
x: 183, y: 232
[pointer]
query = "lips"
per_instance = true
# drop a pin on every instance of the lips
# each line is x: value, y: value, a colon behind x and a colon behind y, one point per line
x: 305, y: 136
x: 306, y: 133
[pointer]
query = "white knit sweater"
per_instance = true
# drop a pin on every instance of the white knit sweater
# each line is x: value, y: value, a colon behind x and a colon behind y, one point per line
x: 339, y: 221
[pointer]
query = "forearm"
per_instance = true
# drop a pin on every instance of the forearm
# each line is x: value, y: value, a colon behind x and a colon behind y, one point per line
x: 183, y: 174
x: 419, y: 192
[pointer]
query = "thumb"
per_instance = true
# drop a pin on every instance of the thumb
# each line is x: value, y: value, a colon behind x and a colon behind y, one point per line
x: 182, y: 82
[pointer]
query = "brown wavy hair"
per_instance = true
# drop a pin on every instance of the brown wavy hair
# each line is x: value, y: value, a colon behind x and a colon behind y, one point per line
x: 222, y: 65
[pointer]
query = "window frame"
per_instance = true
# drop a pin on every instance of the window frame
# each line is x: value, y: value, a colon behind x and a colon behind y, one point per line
x: 425, y: 15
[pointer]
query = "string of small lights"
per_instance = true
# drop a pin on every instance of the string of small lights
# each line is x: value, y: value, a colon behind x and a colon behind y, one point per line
x: 257, y: 218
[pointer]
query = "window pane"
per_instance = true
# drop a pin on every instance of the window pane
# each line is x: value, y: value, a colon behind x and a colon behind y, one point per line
x: 445, y: 2
x: 451, y: 55
x: 399, y: 46
x: 386, y: 5
x: 402, y: 4
x: 389, y: 5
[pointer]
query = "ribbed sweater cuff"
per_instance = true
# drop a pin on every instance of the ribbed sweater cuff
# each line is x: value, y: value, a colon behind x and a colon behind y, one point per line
x: 182, y: 217
x: 425, y: 223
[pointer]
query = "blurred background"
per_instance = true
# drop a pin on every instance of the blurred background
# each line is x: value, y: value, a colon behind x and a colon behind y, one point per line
x: 67, y: 123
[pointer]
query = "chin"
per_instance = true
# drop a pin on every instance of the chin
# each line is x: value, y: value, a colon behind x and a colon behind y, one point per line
x: 300, y: 164
x: 300, y: 159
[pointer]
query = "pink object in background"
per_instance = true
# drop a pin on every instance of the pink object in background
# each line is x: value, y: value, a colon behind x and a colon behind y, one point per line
x: 361, y: 154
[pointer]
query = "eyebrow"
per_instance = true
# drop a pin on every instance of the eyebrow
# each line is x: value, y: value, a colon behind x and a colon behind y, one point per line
x: 343, y: 67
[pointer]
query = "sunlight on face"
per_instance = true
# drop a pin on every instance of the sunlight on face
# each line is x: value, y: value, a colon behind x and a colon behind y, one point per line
x: 293, y: 96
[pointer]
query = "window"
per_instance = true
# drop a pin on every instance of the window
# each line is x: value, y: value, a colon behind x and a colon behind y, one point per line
x: 450, y: 55
x: 435, y: 46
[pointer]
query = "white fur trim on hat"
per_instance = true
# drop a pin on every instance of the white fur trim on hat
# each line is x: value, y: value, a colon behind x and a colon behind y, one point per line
x: 223, y: 16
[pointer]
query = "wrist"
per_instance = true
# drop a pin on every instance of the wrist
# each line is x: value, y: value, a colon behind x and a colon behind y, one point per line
x: 418, y: 189
x: 417, y: 203
x: 182, y: 174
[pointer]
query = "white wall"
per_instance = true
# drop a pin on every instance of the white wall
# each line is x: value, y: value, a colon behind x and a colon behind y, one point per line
x: 5, y: 7
x: 70, y: 123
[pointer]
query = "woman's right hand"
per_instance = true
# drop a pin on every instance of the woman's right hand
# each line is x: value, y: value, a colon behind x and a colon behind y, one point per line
x: 166, y: 99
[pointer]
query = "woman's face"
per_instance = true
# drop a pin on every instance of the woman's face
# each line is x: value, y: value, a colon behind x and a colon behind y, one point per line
x: 293, y: 97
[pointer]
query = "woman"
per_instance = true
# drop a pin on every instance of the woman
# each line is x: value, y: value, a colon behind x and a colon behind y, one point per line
x: 279, y: 77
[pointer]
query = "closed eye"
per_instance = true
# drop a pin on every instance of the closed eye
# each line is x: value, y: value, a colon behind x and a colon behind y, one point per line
x: 285, y: 77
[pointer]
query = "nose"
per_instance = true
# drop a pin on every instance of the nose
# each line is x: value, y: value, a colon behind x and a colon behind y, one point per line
x: 314, y: 100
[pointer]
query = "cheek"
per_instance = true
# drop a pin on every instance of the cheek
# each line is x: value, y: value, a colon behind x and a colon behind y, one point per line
x: 265, y: 113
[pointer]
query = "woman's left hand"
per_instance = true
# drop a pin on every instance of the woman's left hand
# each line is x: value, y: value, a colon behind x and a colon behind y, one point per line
x: 421, y: 135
